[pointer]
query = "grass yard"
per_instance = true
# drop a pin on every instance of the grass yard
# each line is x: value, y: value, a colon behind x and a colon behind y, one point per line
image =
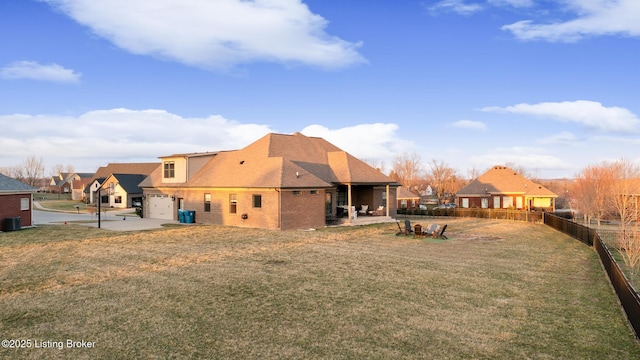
x: 495, y: 290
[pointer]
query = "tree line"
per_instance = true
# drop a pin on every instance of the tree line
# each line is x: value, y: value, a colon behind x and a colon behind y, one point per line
x: 32, y: 171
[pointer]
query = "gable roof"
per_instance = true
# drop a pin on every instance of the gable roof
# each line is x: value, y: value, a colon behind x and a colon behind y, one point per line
x: 502, y: 180
x: 281, y: 161
x: 129, y: 182
x: 11, y: 185
x: 404, y: 193
x: 125, y: 168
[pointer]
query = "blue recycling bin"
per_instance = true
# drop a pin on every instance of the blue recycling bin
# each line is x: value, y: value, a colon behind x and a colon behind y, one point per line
x: 189, y: 216
x: 181, y: 214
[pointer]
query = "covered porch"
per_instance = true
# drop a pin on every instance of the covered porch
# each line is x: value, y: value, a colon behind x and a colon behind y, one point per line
x: 360, y: 203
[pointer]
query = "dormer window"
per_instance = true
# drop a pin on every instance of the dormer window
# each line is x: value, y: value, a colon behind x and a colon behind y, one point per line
x: 169, y: 169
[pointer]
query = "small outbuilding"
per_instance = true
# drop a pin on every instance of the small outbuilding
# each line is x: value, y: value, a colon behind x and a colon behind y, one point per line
x: 16, y: 204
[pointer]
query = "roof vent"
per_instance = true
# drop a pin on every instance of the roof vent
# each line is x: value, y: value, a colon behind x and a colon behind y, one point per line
x: 241, y: 162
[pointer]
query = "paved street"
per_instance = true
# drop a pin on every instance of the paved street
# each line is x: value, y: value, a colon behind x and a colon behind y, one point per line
x: 111, y: 222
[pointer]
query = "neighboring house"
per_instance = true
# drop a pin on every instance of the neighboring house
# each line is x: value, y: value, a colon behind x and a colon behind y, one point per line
x: 104, y: 172
x: 278, y: 182
x: 70, y: 183
x: 503, y: 188
x: 121, y: 190
x: 407, y: 199
x: 16, y: 201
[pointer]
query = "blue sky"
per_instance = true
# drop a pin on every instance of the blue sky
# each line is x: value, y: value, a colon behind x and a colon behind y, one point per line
x: 550, y: 86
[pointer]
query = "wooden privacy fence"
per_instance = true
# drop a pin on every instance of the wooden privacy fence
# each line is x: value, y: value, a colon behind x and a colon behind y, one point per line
x: 503, y: 214
x: 626, y: 293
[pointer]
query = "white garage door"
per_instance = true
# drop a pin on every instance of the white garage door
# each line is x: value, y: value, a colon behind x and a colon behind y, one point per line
x: 160, y: 207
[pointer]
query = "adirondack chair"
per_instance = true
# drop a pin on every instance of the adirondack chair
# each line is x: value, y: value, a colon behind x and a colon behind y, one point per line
x: 441, y: 235
x: 430, y: 230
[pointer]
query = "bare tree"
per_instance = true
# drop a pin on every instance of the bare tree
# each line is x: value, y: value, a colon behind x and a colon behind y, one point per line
x: 590, y: 191
x: 407, y: 169
x: 61, y: 169
x: 57, y: 169
x: 623, y: 199
x: 445, y: 180
x: 519, y: 169
x: 33, y: 170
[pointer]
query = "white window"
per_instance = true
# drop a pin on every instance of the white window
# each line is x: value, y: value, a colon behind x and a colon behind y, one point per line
x: 484, y: 203
x: 465, y: 202
x: 519, y: 202
x: 496, y: 202
x: 24, y: 203
x: 507, y: 202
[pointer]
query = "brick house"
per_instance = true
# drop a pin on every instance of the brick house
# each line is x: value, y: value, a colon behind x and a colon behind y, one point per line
x: 278, y: 182
x: 503, y: 188
x: 407, y: 199
x: 16, y: 201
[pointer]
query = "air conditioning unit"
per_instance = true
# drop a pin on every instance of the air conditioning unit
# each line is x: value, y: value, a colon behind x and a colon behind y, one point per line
x: 12, y: 223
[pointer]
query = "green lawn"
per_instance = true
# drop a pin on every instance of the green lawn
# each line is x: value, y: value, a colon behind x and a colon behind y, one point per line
x: 494, y: 290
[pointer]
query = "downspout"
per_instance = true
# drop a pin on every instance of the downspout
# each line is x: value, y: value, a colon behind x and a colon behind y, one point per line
x: 279, y: 208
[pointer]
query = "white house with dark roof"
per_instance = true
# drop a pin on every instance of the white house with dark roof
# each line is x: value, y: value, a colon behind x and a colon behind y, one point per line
x: 278, y: 182
x: 16, y: 203
x: 121, y: 190
x: 103, y: 172
x: 502, y: 188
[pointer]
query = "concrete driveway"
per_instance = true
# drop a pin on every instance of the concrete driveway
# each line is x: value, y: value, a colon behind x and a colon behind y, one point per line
x: 110, y: 222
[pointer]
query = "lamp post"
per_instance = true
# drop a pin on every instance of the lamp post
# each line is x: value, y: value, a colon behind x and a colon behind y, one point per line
x: 99, y: 201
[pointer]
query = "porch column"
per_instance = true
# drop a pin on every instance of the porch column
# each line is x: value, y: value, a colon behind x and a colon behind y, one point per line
x: 349, y: 202
x: 388, y: 200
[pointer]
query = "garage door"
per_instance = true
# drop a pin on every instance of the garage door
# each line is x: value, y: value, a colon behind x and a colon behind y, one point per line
x: 160, y: 207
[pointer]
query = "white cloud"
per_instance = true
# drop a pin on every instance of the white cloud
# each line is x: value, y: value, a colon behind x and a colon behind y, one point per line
x: 588, y: 113
x: 457, y: 6
x: 564, y: 137
x: 594, y: 18
x: 371, y: 142
x: 527, y: 157
x: 514, y: 3
x: 216, y: 34
x: 469, y: 124
x: 98, y: 137
x: 35, y: 71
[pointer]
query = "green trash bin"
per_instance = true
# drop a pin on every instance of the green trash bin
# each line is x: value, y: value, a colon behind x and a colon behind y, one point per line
x: 181, y: 214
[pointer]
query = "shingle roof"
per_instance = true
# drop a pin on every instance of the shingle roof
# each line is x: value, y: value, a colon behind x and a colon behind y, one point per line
x: 281, y: 161
x: 11, y: 185
x: 129, y: 182
x: 125, y: 168
x: 502, y: 180
x: 404, y: 193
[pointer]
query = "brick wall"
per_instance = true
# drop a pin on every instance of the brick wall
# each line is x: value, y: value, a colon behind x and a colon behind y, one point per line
x: 10, y: 207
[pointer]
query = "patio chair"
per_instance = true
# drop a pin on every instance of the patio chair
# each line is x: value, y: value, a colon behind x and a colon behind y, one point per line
x: 441, y: 235
x: 363, y: 210
x: 430, y: 230
x: 434, y: 233
x: 379, y: 211
x: 407, y: 228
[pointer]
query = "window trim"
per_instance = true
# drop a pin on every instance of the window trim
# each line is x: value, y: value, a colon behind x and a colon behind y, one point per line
x: 233, y: 204
x: 25, y: 204
x: 207, y: 202
x: 256, y: 201
x: 169, y: 169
